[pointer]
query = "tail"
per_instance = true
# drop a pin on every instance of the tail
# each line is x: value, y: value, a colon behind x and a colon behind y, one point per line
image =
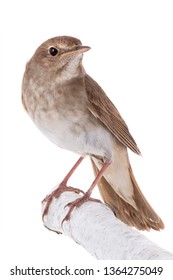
x: 134, y: 211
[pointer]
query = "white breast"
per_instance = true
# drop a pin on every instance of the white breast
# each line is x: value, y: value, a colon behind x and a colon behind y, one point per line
x: 80, y: 135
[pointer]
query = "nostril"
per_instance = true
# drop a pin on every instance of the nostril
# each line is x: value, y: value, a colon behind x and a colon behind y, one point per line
x: 78, y: 47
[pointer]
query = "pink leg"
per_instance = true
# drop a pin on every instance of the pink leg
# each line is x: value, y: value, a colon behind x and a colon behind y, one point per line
x: 67, y: 177
x: 62, y: 188
x: 78, y: 202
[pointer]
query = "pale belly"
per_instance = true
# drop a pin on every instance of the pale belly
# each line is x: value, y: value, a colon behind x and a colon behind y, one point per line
x: 85, y: 136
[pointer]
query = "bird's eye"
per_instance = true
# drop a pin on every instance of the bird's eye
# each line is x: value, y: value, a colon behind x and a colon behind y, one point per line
x: 53, y: 51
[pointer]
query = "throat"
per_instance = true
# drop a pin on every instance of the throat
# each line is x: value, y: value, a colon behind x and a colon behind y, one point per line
x: 71, y: 70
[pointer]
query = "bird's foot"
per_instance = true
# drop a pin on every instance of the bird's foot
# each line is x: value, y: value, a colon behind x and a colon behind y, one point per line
x: 77, y: 203
x: 54, y: 194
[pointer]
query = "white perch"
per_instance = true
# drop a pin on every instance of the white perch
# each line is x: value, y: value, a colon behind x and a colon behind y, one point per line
x: 95, y: 227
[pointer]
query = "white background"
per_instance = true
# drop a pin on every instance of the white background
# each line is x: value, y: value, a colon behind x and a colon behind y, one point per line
x: 131, y: 57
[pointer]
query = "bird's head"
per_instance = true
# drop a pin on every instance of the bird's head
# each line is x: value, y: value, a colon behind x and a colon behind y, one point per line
x: 59, y: 53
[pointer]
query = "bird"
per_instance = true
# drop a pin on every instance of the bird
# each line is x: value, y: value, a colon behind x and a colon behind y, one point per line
x: 72, y: 110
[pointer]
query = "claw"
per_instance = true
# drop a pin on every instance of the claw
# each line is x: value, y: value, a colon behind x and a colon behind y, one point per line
x: 57, y: 192
x: 77, y: 203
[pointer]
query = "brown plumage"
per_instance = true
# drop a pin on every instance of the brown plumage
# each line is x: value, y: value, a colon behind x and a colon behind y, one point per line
x: 143, y: 217
x: 103, y: 109
x: 73, y: 111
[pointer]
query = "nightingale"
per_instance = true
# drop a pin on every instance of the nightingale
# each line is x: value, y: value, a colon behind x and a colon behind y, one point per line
x: 73, y: 111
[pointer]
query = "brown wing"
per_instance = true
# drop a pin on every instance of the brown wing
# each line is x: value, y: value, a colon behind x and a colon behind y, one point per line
x: 102, y: 108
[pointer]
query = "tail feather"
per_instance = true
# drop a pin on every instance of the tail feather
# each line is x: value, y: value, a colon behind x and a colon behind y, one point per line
x: 144, y: 218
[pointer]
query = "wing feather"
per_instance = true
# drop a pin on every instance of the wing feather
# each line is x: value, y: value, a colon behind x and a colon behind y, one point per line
x: 102, y: 108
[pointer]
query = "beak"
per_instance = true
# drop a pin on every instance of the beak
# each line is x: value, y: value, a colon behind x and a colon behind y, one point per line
x: 76, y: 51
x: 81, y: 49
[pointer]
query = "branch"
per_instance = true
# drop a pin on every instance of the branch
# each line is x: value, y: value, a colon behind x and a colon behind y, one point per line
x: 94, y: 226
